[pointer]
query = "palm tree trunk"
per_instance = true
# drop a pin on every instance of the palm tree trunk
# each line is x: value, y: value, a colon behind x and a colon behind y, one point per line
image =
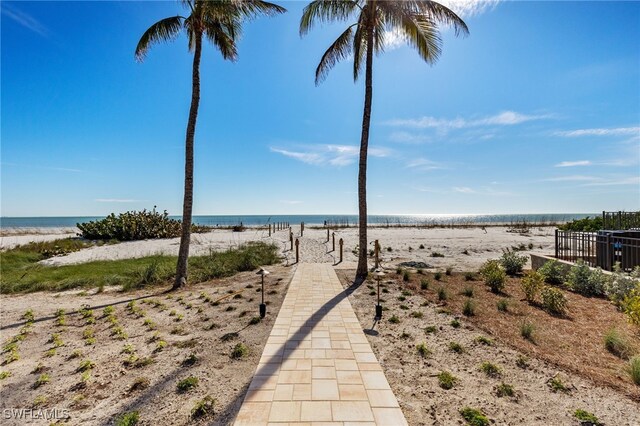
x: 187, y: 207
x: 362, y: 271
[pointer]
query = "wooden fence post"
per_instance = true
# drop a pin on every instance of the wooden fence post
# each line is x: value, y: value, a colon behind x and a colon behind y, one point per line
x: 557, y: 248
x: 291, y: 239
x: 333, y: 236
x: 376, y: 250
x: 327, y: 234
x: 269, y: 229
x: 341, y: 244
x: 301, y: 229
x: 297, y: 251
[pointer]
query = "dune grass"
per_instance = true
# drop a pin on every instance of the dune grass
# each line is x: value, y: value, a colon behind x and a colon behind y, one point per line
x: 21, y: 273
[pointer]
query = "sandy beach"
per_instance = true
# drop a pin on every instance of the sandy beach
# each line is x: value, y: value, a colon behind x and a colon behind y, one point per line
x: 463, y: 249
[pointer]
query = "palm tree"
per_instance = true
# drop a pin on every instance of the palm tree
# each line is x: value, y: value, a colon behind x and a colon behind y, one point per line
x: 221, y: 22
x: 416, y: 20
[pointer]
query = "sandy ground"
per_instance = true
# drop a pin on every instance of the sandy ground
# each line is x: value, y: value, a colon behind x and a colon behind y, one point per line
x: 108, y: 392
x: 415, y: 383
x: 463, y: 248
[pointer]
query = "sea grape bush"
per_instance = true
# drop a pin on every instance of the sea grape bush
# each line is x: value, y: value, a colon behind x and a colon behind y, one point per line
x: 134, y: 225
x: 583, y: 225
x: 554, y: 300
x: 552, y: 272
x: 512, y: 262
x: 584, y: 281
x: 494, y: 276
x: 531, y: 284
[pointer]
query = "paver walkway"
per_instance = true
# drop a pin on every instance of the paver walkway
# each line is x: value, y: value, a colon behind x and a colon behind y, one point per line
x: 317, y: 367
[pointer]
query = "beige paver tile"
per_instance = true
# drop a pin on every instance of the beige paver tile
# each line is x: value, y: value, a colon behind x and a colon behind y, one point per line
x: 323, y: 373
x: 316, y: 411
x: 285, y: 411
x: 365, y: 357
x: 259, y: 396
x: 354, y: 411
x: 294, y: 376
x: 324, y: 390
x: 346, y: 364
x: 352, y: 392
x: 253, y: 413
x: 283, y: 393
x: 302, y: 392
x: 389, y: 416
x: 374, y: 380
x: 349, y: 377
x: 382, y: 398
x: 322, y: 362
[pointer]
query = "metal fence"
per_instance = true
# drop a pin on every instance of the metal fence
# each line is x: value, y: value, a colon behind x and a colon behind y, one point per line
x: 598, y: 249
x: 621, y: 220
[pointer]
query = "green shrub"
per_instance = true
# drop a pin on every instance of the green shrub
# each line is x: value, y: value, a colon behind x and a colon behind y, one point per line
x: 469, y: 308
x: 617, y: 344
x: 526, y: 330
x: 239, y: 351
x: 134, y: 225
x: 557, y: 385
x: 531, y: 285
x: 552, y: 272
x: 86, y: 365
x: 455, y: 323
x: 522, y: 362
x: 446, y: 380
x: 139, y: 384
x: 424, y: 284
x: 469, y: 276
x: 634, y: 369
x: 502, y: 305
x: 406, y: 276
x: 620, y: 285
x: 474, y: 417
x: 490, y: 369
x: 553, y: 300
x: 587, y: 224
x: 187, y: 384
x: 423, y: 351
x: 442, y: 294
x: 456, y: 347
x: 203, y: 407
x: 512, y: 262
x: 417, y: 314
x: 437, y: 254
x: 584, y: 281
x: 394, y: 319
x: 484, y: 341
x: 631, y: 306
x: 430, y: 329
x: 128, y: 419
x: 504, y: 389
x: 586, y: 418
x: 448, y: 270
x: 494, y: 276
x: 42, y: 380
x: 468, y: 291
x: 437, y: 276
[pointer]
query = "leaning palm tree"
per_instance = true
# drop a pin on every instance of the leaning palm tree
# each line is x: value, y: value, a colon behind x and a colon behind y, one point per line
x: 416, y: 20
x: 221, y: 22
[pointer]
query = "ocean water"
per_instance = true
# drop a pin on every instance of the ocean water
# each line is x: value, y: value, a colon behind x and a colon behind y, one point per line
x: 342, y: 220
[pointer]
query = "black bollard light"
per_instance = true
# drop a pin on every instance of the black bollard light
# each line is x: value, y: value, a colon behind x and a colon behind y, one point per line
x: 379, y: 274
x: 263, y: 307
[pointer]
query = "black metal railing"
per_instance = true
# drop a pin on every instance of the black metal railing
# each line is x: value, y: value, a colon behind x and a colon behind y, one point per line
x: 621, y: 220
x: 598, y: 249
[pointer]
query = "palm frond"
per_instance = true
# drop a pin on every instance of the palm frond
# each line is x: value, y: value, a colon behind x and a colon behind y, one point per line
x: 359, y: 47
x: 164, y: 30
x: 340, y: 49
x: 222, y: 35
x: 441, y: 14
x: 422, y: 34
x: 326, y: 11
x: 253, y: 8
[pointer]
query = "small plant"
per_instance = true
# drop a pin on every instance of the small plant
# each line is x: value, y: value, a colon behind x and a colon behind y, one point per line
x: 582, y: 280
x: 109, y: 310
x: 56, y: 340
x: 76, y: 354
x: 160, y: 345
x: 468, y: 291
x: 526, y: 330
x: 617, y: 344
x: 150, y: 324
x: 494, y: 276
x: 455, y: 323
x: 586, y: 418
x: 502, y: 305
x: 469, y: 276
x: 39, y: 401
x: 190, y: 360
x: 86, y: 365
x: 172, y: 313
x: 430, y: 329
x: 424, y: 284
x: 400, y: 298
x: 404, y: 307
x: 446, y: 380
x: 553, y: 300
x: 437, y: 276
x: 469, y: 308
x: 552, y: 272
x: 456, y: 347
x: 634, y: 369
x: 4, y: 374
x: 179, y: 318
x: 255, y: 320
x: 423, y: 351
x: 522, y: 362
x: 43, y: 379
x: 85, y: 377
x: 503, y: 390
x: 394, y: 319
x: 406, y: 276
x: 119, y: 333
x: 436, y: 254
x: 139, y: 384
x: 29, y: 316
x: 512, y: 262
x: 239, y: 351
x: 203, y: 407
x: 490, y: 369
x: 131, y: 418
x: 187, y: 384
x: 417, y: 314
x: 442, y: 294
x: 557, y: 385
x: 128, y: 349
x: 405, y: 335
x: 484, y: 341
x: 59, y: 313
x: 389, y: 249
x: 421, y: 247
x: 474, y: 417
x: 531, y: 285
x: 51, y: 352
x: 449, y: 270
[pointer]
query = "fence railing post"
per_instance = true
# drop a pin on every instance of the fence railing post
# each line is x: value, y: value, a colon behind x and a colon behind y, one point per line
x: 297, y: 250
x: 269, y: 229
x: 557, y: 248
x: 301, y: 229
x: 376, y: 251
x: 609, y: 254
x: 333, y: 236
x: 291, y: 239
x: 327, y: 234
x: 341, y: 244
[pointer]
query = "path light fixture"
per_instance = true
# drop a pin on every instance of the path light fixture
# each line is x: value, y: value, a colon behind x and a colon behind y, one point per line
x: 379, y: 273
x: 263, y: 307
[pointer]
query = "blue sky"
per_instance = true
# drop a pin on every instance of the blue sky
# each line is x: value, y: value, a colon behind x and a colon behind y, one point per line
x: 536, y: 111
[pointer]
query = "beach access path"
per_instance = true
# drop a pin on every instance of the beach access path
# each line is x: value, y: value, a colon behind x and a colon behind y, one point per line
x: 317, y: 366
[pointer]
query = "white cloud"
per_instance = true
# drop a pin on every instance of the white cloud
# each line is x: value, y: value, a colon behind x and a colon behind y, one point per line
x: 574, y: 163
x: 408, y: 138
x: 24, y: 19
x: 505, y: 118
x: 117, y: 200
x: 334, y: 155
x: 617, y: 131
x: 572, y: 178
x: 424, y: 164
x: 634, y: 180
x: 464, y: 190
